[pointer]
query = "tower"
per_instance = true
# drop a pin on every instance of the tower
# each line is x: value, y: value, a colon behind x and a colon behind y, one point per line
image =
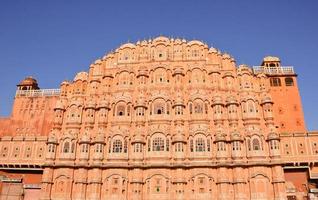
x: 284, y: 90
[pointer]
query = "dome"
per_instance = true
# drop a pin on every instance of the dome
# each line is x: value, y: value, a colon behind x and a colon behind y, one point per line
x: 83, y: 76
x: 29, y: 81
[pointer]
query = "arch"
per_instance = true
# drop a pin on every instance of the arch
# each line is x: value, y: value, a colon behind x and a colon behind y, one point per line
x: 159, y: 106
x: 256, y: 143
x: 66, y: 147
x: 120, y: 108
x: 118, y: 144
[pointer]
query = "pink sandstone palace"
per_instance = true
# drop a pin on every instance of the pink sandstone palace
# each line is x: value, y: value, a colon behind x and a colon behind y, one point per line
x: 162, y: 119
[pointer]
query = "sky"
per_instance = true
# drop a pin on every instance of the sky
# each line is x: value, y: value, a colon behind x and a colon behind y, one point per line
x: 53, y: 40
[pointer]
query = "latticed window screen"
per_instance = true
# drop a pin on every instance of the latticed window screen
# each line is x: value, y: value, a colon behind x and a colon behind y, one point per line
x: 158, y: 144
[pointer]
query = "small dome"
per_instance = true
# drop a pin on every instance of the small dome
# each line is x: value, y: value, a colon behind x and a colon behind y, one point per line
x: 59, y: 105
x: 65, y: 83
x: 193, y: 42
x: 178, y: 100
x: 235, y: 136
x: 273, y: 136
x: 29, y: 81
x: 103, y: 103
x: 127, y: 45
x: 213, y: 50
x: 90, y: 104
x: 220, y: 137
x: 217, y: 100
x: 231, y: 100
x: 179, y: 137
x: 226, y: 55
x: 85, y: 138
x: 161, y: 39
x: 138, y: 138
x: 99, y: 138
x: 83, y: 76
x: 178, y: 70
x: 267, y: 99
x: 52, y: 139
x: 271, y: 59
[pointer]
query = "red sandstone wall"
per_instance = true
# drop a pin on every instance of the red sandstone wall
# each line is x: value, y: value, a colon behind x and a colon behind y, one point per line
x: 287, y: 107
x: 30, y: 116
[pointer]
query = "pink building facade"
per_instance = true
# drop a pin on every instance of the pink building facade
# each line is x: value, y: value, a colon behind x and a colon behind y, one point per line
x: 161, y: 119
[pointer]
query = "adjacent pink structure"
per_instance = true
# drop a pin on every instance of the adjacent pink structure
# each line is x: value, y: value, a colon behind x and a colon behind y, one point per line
x: 161, y: 119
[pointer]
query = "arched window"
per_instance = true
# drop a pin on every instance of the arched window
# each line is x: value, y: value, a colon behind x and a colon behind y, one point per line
x: 191, y: 145
x: 190, y: 108
x: 256, y: 144
x: 198, y: 107
x: 125, y: 146
x: 117, y: 146
x: 120, y: 110
x: 73, y: 147
x: 275, y: 82
x: 199, y: 145
x: 158, y: 144
x: 251, y: 106
x: 159, y: 107
x: 289, y: 82
x: 66, y: 147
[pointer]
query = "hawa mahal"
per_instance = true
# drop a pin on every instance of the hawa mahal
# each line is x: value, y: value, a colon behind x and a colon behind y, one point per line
x: 161, y: 119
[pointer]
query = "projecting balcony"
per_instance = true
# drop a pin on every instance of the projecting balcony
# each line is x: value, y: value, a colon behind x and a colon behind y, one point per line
x: 38, y: 93
x: 283, y: 70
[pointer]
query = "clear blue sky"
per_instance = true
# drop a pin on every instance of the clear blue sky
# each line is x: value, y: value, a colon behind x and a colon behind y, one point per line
x: 52, y: 40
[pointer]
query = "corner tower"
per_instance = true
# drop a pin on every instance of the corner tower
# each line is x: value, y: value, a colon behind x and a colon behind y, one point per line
x: 284, y: 90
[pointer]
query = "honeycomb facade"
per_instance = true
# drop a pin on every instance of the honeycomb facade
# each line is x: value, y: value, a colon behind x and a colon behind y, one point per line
x: 163, y: 119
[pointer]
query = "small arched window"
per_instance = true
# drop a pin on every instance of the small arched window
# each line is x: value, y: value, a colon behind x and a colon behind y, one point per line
x: 256, y: 144
x: 190, y: 108
x: 159, y: 109
x: 66, y: 147
x: 198, y: 107
x: 73, y: 147
x: 117, y: 146
x: 289, y: 82
x: 120, y: 110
